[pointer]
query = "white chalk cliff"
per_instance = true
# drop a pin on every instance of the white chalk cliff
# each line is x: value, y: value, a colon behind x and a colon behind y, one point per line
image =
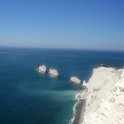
x: 105, y: 97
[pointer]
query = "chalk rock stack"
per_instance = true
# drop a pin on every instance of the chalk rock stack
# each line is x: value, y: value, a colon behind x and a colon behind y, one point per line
x: 75, y: 80
x: 53, y: 72
x: 41, y: 68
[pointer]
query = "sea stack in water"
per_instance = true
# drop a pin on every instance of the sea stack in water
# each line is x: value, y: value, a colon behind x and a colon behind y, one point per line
x: 53, y: 72
x: 41, y: 68
x: 75, y: 80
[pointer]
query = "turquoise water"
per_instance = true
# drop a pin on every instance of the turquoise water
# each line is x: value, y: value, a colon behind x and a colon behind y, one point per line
x: 27, y: 97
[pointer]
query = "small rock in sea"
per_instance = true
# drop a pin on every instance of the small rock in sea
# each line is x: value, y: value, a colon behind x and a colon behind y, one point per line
x: 53, y: 72
x: 75, y: 80
x: 41, y: 68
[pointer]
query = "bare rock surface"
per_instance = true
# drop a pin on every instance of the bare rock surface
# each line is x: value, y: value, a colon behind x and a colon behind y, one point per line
x: 75, y: 80
x: 104, y: 97
x: 41, y: 68
x: 53, y: 72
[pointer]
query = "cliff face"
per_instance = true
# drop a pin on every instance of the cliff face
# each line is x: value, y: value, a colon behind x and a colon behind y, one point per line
x: 105, y: 99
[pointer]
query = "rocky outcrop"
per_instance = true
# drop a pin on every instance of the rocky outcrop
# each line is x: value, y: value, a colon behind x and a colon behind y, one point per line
x: 41, y: 68
x: 53, y: 72
x: 75, y: 80
x: 104, y: 97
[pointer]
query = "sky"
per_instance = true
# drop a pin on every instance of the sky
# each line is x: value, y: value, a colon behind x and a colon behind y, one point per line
x: 74, y: 24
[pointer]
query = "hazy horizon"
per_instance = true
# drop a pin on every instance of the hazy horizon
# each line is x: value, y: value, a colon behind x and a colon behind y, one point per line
x: 68, y: 49
x: 64, y: 24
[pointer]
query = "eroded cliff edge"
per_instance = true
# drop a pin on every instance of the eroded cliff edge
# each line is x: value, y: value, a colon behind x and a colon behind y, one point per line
x: 105, y: 97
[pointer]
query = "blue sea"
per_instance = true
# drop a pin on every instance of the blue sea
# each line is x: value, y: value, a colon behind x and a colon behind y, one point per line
x: 28, y: 97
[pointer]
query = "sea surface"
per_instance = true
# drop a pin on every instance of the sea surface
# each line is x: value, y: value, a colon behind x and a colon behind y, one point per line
x: 28, y: 97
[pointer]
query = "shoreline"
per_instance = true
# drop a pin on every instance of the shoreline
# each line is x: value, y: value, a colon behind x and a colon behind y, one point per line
x: 78, y: 111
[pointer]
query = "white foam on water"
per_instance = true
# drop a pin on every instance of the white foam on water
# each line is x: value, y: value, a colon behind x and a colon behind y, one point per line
x: 74, y: 112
